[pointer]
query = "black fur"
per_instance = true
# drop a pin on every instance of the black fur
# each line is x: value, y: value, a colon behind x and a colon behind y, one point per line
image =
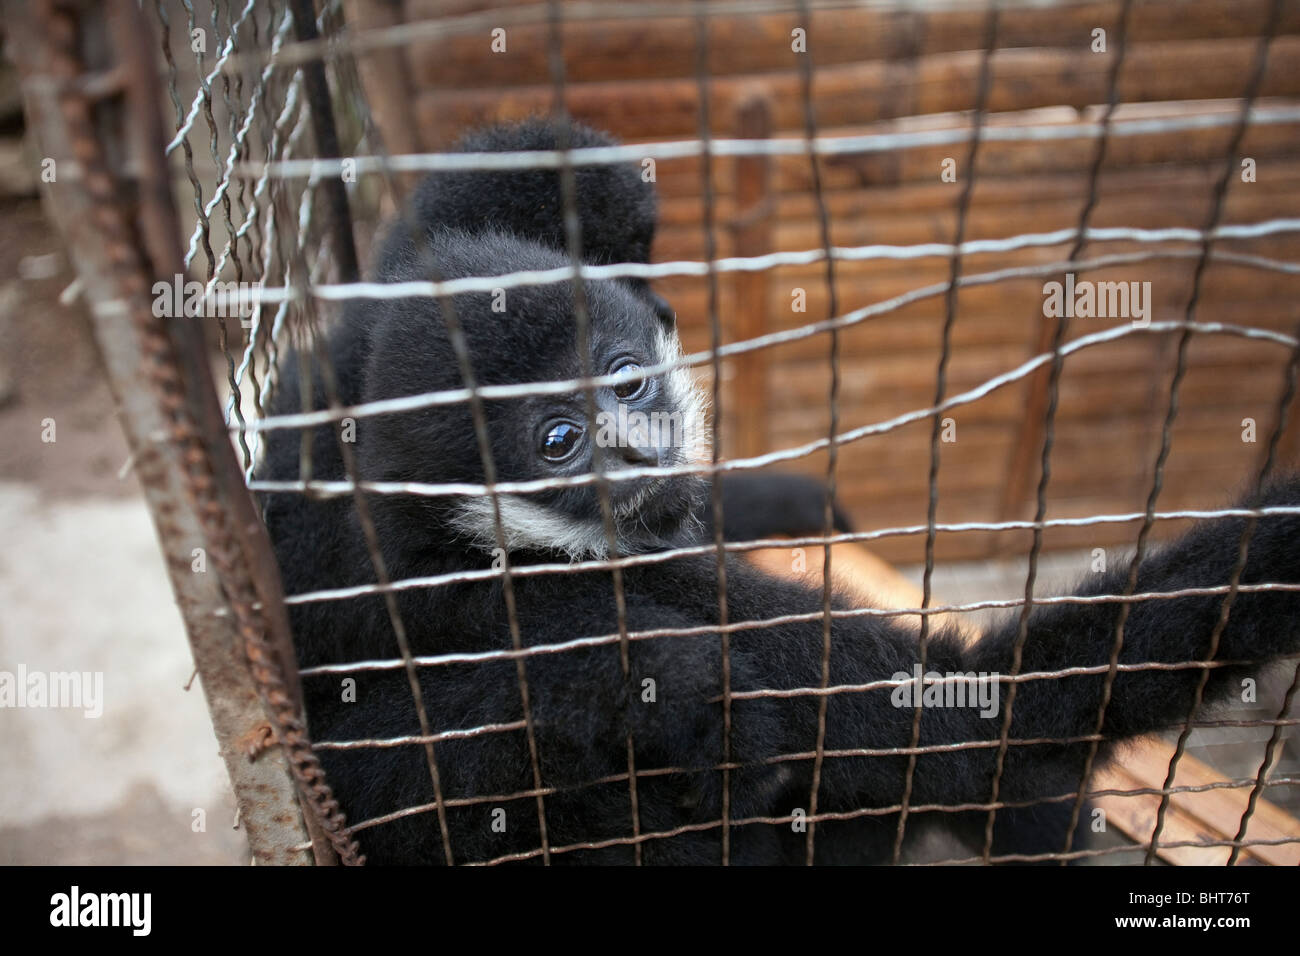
x: 616, y: 208
x: 581, y: 705
x: 773, y: 504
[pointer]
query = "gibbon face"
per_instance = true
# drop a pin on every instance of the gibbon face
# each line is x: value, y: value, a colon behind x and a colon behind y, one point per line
x: 521, y: 335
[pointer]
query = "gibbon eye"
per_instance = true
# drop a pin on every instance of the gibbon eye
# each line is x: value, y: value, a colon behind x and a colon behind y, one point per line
x: 628, y: 390
x: 560, y: 441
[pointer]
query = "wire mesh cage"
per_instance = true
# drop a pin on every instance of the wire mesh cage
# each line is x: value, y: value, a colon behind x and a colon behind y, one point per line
x: 1010, y: 281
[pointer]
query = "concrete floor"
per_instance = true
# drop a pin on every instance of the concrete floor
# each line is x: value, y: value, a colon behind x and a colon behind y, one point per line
x: 86, y: 590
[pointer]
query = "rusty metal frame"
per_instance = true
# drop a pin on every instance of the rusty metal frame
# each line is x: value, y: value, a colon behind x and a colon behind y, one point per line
x: 90, y: 88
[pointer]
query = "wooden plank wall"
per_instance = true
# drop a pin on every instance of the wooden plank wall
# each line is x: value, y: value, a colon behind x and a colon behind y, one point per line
x: 882, y: 70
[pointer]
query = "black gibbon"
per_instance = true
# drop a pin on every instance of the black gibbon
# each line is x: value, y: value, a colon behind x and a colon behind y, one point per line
x: 581, y: 706
x: 616, y: 210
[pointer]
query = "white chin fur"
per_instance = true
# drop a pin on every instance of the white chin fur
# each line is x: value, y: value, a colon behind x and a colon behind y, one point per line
x: 530, y: 526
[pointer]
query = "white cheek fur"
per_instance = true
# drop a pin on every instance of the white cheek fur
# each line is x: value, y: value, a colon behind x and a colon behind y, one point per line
x: 686, y: 395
